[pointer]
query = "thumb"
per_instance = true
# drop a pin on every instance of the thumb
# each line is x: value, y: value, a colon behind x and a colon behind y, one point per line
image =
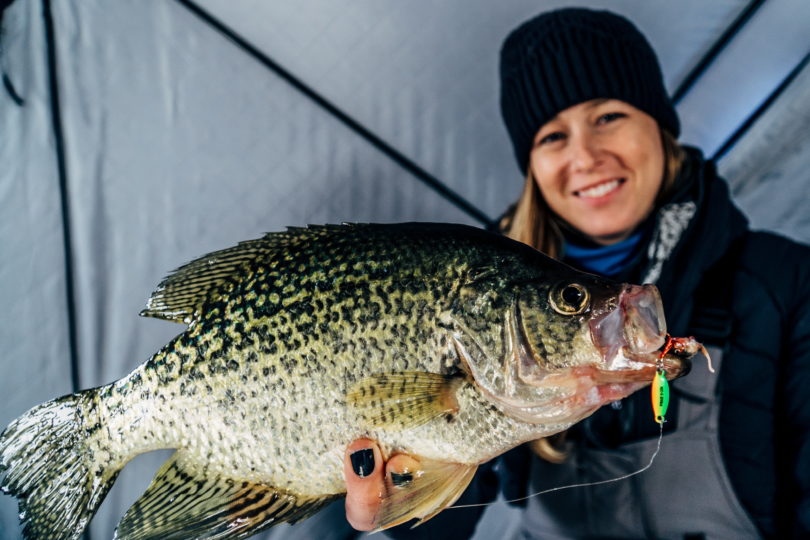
x: 363, y: 470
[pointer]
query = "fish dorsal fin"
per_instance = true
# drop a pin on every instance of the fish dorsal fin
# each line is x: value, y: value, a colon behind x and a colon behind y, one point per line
x: 421, y: 491
x: 183, y: 503
x: 181, y: 296
x: 404, y: 399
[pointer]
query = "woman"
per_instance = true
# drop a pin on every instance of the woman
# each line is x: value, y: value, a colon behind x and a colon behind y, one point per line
x: 609, y: 190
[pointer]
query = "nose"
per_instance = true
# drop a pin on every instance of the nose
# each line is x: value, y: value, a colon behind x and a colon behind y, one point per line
x: 584, y: 152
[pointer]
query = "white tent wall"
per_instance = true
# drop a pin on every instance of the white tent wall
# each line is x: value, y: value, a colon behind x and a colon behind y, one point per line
x: 769, y: 165
x: 35, y: 358
x: 167, y: 158
x: 423, y: 75
x: 754, y: 63
x: 178, y: 143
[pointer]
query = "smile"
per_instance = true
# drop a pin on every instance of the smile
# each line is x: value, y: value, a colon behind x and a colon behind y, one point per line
x: 600, y: 190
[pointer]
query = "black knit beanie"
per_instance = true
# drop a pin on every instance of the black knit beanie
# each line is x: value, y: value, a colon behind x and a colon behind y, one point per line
x: 565, y: 57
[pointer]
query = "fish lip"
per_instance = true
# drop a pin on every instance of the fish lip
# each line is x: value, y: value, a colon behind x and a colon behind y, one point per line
x: 675, y: 364
x: 644, y: 374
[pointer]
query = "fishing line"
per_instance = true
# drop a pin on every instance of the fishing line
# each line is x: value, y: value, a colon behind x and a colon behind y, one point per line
x: 583, y: 484
x: 659, y: 394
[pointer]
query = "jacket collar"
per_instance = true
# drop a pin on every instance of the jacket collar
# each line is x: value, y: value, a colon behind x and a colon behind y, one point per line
x: 693, y: 230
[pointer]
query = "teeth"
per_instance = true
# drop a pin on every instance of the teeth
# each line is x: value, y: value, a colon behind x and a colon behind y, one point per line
x: 600, y: 190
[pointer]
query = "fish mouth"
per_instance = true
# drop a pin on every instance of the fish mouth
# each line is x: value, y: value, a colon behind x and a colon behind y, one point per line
x: 597, y: 386
x: 633, y: 341
x: 675, y: 364
x: 631, y: 331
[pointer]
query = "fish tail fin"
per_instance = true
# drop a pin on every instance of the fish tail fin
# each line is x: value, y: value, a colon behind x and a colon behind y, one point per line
x: 46, y: 463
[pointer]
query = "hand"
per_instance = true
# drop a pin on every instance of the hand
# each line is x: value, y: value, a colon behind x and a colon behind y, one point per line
x: 368, y: 481
x: 363, y: 468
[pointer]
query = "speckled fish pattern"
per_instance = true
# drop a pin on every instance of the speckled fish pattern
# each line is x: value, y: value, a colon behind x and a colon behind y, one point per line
x: 289, y: 339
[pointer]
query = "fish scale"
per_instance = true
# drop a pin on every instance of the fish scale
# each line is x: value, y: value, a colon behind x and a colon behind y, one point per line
x: 431, y: 339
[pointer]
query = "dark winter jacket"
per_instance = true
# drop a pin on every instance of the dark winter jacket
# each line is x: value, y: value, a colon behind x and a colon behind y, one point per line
x: 765, y: 381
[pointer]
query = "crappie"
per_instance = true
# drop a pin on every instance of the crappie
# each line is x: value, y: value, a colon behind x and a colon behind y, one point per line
x: 444, y: 342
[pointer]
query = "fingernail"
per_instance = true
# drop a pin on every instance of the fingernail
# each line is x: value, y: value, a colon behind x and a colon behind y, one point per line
x: 401, y: 479
x: 363, y: 462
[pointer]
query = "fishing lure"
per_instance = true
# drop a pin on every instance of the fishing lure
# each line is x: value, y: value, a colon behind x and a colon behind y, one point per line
x: 659, y: 390
x: 660, y: 395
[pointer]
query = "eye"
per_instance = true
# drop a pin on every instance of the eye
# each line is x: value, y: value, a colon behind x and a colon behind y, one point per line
x: 551, y: 137
x: 610, y: 117
x: 569, y: 298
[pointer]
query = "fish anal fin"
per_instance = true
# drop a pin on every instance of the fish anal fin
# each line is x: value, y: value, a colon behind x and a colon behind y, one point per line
x: 183, y: 503
x: 421, y: 489
x: 404, y: 399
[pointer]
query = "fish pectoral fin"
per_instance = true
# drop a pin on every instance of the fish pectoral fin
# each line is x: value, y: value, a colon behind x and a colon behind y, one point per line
x: 421, y: 490
x: 404, y: 399
x: 183, y: 502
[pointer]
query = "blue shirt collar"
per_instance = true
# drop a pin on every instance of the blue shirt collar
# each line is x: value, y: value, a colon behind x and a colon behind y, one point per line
x: 603, y: 260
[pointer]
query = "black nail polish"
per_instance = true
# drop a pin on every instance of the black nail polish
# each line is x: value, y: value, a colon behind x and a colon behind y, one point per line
x: 363, y: 462
x: 401, y: 480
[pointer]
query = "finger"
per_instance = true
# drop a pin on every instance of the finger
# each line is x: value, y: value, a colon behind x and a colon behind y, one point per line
x: 363, y: 470
x: 401, y: 469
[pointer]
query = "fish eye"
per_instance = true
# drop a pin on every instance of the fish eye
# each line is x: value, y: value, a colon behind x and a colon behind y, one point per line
x: 569, y: 298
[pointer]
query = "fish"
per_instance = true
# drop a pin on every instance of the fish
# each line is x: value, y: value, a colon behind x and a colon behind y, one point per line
x: 444, y: 342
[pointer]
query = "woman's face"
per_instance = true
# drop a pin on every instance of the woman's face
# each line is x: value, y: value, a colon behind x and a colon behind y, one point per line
x: 599, y: 166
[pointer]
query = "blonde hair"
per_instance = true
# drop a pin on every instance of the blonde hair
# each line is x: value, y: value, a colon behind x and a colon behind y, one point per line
x: 532, y: 222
